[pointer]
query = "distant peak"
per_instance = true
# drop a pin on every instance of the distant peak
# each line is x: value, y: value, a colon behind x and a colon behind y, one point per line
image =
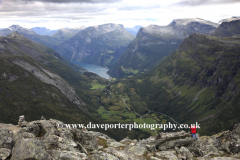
x: 234, y: 18
x: 187, y: 21
x: 14, y: 34
x: 14, y: 27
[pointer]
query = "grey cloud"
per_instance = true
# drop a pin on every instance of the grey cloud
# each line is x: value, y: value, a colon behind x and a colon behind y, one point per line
x: 131, y: 8
x: 50, y: 10
x: 67, y: 1
x: 205, y: 2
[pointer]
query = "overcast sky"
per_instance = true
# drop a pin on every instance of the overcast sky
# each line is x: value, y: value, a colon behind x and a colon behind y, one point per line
x: 55, y: 14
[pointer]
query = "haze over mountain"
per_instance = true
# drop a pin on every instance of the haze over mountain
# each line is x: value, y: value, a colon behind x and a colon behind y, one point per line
x: 99, y: 45
x: 154, y: 43
x: 43, y: 31
x: 29, y: 33
x: 134, y: 30
x: 66, y: 33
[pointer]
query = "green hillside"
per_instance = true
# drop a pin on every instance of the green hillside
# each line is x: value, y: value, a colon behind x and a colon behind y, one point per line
x: 153, y: 43
x: 199, y: 82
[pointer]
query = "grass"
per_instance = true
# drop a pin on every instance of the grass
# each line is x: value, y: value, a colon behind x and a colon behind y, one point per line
x: 97, y: 86
x: 129, y: 70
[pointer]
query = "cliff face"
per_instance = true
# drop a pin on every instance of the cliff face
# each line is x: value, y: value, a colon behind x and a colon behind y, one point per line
x: 153, y: 43
x: 52, y: 140
x: 28, y: 87
x: 228, y: 29
x: 100, y: 45
x: 16, y: 44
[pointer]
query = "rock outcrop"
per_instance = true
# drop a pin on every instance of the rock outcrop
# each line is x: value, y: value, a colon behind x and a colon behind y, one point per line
x: 51, y: 140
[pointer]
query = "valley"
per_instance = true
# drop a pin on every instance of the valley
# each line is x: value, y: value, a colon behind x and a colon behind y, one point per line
x: 195, y: 81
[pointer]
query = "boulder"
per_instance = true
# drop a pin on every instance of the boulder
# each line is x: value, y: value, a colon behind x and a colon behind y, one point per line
x: 31, y: 128
x: 166, y: 155
x: 196, y: 151
x: 184, y: 153
x: 151, y: 148
x: 175, y: 143
x: 87, y: 139
x: 116, y: 144
x: 172, y: 135
x: 31, y: 148
x: 69, y: 155
x: 23, y: 135
x: 210, y: 150
x: 4, y: 153
x: 120, y: 155
x: 136, y: 150
x: 6, y: 138
x: 154, y: 158
x: 102, y: 156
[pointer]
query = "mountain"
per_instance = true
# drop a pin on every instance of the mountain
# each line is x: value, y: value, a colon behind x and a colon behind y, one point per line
x: 29, y: 87
x: 234, y: 18
x: 134, y: 30
x: 228, y: 29
x: 35, y: 80
x: 43, y: 31
x: 99, y: 45
x: 153, y: 43
x: 66, y: 33
x: 199, y: 82
x: 29, y: 33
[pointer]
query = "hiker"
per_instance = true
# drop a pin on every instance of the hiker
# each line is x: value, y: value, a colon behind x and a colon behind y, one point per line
x: 193, y: 130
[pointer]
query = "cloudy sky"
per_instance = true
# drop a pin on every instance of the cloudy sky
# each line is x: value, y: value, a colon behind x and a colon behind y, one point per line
x: 55, y: 14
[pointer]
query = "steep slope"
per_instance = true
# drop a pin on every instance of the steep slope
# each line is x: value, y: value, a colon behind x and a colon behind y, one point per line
x: 154, y: 43
x: 99, y: 45
x: 199, y: 82
x: 16, y: 44
x: 43, y: 31
x: 29, y: 88
x: 228, y: 29
x: 66, y: 33
x: 35, y: 79
x: 134, y: 30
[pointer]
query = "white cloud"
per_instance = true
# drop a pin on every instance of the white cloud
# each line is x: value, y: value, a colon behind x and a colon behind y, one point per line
x: 64, y: 13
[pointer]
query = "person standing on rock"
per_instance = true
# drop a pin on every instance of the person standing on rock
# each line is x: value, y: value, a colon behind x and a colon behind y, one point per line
x: 193, y: 130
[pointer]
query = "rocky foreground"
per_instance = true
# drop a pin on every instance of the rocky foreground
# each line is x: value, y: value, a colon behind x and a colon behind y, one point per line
x: 43, y: 140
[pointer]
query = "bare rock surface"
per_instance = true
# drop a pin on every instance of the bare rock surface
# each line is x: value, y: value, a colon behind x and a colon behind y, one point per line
x: 51, y: 140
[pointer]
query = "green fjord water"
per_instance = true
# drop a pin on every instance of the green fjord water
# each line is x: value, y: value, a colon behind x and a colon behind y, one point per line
x: 102, y: 72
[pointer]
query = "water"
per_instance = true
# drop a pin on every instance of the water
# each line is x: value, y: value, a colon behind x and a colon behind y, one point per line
x: 102, y: 72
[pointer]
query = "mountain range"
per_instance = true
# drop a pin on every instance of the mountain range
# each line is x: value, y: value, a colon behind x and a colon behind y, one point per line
x: 99, y: 45
x: 198, y: 82
x: 195, y: 78
x: 36, y: 80
x: 42, y: 34
x: 43, y: 31
x: 66, y: 33
x: 29, y: 33
x: 153, y: 43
